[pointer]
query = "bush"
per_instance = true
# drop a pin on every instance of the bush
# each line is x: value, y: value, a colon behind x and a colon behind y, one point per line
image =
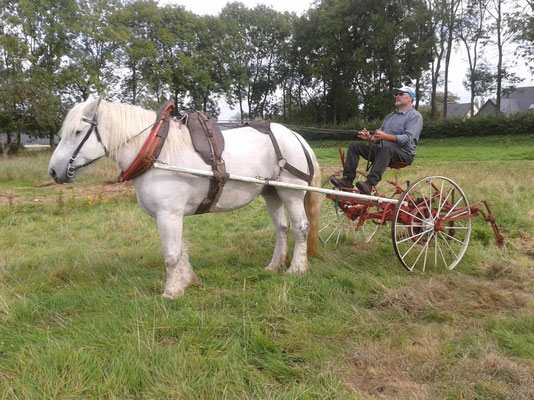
x: 490, y: 125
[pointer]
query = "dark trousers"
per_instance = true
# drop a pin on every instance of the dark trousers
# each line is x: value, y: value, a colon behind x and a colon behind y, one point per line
x: 380, y: 156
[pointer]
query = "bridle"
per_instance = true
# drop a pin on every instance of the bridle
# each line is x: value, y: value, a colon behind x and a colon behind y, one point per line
x: 71, y: 169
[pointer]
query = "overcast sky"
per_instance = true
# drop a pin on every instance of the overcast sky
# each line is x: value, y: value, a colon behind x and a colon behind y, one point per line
x: 458, y: 66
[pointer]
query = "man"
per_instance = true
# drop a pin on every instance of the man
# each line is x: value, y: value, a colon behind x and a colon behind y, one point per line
x: 394, y: 142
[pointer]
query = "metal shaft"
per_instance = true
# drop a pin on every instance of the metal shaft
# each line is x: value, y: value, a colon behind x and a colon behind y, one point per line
x: 268, y: 182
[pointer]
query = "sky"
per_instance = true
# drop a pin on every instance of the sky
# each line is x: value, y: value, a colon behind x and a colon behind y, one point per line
x: 458, y: 65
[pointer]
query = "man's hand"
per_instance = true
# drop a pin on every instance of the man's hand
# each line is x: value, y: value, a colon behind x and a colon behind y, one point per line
x: 381, y: 135
x: 365, y: 134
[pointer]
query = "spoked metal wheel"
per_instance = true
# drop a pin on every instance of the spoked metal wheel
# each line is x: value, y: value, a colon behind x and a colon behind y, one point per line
x: 336, y: 227
x: 431, y: 224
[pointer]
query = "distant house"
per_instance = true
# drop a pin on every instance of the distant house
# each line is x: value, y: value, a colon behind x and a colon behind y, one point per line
x: 513, y: 100
x: 462, y: 110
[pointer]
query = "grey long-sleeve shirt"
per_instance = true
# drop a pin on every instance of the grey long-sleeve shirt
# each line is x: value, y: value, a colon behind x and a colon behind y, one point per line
x: 407, y: 126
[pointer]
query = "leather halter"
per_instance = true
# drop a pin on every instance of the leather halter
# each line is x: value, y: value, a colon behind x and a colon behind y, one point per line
x: 71, y: 169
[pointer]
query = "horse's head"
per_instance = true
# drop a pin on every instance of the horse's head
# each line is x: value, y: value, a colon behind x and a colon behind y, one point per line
x: 80, y: 143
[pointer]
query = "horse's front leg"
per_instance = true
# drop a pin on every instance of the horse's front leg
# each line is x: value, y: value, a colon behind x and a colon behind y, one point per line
x: 179, y: 271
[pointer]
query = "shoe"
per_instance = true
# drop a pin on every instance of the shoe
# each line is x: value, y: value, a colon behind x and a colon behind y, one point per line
x: 344, y: 182
x: 364, y: 187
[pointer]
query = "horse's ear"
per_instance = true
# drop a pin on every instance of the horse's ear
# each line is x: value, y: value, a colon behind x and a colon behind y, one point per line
x: 91, y: 108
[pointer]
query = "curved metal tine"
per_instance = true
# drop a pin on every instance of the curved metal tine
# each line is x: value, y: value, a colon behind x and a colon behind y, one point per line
x: 456, y: 227
x: 414, y: 243
x: 334, y: 230
x: 411, y: 237
x: 338, y: 233
x: 425, y: 247
x: 332, y: 217
x: 372, y: 234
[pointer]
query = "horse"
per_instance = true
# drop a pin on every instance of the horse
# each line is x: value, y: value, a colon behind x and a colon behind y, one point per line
x: 97, y: 128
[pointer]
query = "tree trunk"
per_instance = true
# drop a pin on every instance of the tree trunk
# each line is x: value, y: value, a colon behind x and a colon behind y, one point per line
x: 499, y: 63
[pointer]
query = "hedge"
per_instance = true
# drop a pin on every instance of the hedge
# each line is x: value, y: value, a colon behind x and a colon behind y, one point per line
x: 491, y: 125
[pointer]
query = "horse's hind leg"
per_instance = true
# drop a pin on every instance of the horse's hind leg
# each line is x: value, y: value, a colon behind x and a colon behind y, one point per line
x: 179, y: 271
x: 294, y: 202
x: 280, y: 261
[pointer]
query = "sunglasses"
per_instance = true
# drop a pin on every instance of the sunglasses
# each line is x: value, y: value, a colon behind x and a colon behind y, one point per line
x: 399, y: 94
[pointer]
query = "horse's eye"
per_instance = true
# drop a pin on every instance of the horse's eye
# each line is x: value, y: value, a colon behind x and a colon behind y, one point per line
x: 78, y: 132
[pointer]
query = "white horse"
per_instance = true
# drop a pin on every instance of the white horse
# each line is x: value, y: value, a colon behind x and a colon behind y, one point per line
x: 168, y: 196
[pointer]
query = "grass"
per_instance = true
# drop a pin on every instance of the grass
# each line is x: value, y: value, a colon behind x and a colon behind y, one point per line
x: 81, y: 313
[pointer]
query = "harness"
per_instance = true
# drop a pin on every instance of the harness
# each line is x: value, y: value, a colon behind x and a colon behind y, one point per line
x: 71, y: 169
x: 207, y: 140
x: 153, y: 144
x: 265, y: 127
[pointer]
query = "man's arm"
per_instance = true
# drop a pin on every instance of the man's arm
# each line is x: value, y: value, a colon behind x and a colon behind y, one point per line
x: 412, y: 130
x: 381, y: 135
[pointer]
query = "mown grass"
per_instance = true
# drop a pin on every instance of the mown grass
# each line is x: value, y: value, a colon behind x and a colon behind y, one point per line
x: 81, y: 313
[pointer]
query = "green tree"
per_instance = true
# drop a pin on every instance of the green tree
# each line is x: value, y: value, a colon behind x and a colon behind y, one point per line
x: 35, y: 41
x: 91, y: 65
x: 360, y: 51
x: 472, y: 31
x: 140, y: 22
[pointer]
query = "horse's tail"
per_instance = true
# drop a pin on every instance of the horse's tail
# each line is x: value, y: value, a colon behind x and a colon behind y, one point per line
x: 312, y: 205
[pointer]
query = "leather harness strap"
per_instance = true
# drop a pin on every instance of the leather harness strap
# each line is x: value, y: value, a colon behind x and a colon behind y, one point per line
x: 265, y: 127
x: 152, y: 147
x: 209, y: 143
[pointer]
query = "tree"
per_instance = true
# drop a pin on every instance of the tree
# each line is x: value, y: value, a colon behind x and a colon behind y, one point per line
x: 502, y: 26
x: 451, y: 25
x: 92, y: 63
x: 359, y: 51
x: 139, y: 22
x: 472, y: 31
x: 522, y: 27
x: 480, y: 81
x: 35, y: 41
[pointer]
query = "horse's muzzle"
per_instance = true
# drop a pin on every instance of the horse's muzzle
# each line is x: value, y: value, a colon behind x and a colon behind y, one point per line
x: 58, y: 179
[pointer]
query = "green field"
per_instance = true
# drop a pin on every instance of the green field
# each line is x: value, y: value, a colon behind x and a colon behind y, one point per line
x: 82, y: 317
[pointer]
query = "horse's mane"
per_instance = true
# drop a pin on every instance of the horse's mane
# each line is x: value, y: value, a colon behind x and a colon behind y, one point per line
x: 121, y: 123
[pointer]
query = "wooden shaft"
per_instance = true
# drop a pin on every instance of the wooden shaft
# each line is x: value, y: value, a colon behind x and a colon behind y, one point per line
x: 268, y: 182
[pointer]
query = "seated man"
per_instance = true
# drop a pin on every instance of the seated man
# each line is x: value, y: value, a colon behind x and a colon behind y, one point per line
x: 394, y: 142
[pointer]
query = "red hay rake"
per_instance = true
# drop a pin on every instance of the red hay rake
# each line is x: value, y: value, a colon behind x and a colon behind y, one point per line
x: 430, y: 219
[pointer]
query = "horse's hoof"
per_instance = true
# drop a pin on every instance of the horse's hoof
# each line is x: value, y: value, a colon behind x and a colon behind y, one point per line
x: 172, y: 295
x: 274, y: 268
x: 298, y: 271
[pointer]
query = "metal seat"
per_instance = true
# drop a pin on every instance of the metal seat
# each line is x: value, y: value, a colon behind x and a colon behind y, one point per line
x: 399, y: 165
